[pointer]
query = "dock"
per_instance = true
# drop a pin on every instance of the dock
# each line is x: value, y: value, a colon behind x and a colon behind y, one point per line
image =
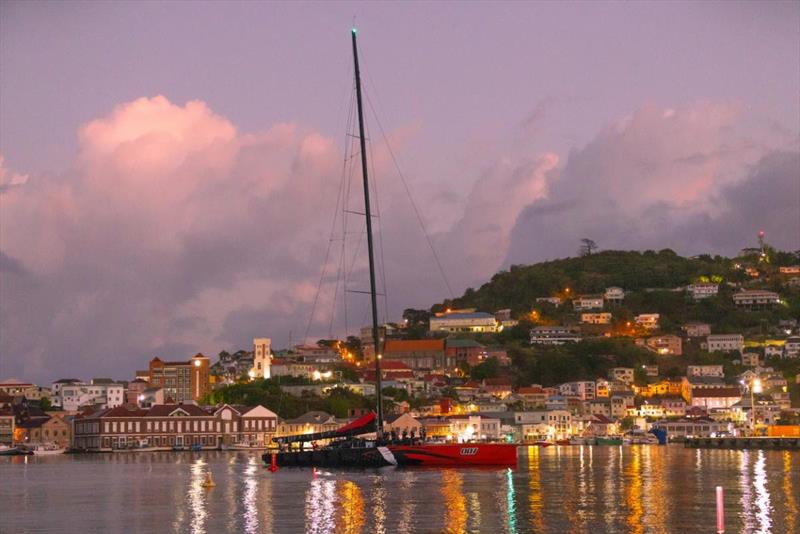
x: 776, y: 443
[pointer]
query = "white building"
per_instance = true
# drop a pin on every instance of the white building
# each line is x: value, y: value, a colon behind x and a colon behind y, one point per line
x: 756, y: 299
x: 614, y: 295
x: 262, y: 357
x: 696, y: 329
x: 705, y: 370
x: 596, y: 318
x: 588, y: 302
x: 474, y: 428
x: 751, y: 359
x: 725, y: 343
x: 622, y: 374
x: 791, y: 349
x: 583, y: 390
x: 75, y: 396
x: 773, y: 350
x: 464, y: 322
x: 553, y: 335
x: 647, y: 320
x: 552, y: 424
x: 555, y: 301
x: 703, y: 290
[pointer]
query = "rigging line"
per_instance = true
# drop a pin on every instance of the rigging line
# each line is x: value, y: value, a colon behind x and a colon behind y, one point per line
x: 411, y: 198
x: 351, y: 142
x: 339, y: 199
x: 380, y: 231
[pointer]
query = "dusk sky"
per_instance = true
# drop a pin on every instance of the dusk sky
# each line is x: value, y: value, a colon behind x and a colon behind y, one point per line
x: 168, y: 171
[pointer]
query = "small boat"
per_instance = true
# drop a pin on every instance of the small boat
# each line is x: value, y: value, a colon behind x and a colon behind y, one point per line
x: 639, y: 437
x: 48, y: 449
x: 579, y: 440
x: 196, y: 447
x: 542, y: 443
x: 247, y: 447
x: 178, y: 448
x: 5, y: 450
x: 608, y: 440
x: 563, y: 442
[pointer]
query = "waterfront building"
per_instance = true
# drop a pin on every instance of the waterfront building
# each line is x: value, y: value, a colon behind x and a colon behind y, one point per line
x: 703, y: 290
x: 543, y: 424
x: 7, y: 426
x: 756, y: 299
x: 262, y: 355
x: 416, y: 353
x: 725, y: 343
x: 400, y: 423
x: 554, y: 335
x: 182, y: 381
x: 309, y: 423
x: 588, y: 302
x: 696, y: 329
x: 457, y: 321
x: 648, y: 321
x: 596, y: 318
x: 703, y: 427
x: 710, y: 398
x: 665, y: 345
x: 174, y: 425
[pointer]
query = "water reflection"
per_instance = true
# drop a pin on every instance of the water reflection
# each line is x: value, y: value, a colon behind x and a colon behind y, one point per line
x: 790, y: 495
x: 610, y: 503
x: 633, y: 491
x: 407, y: 483
x: 535, y: 487
x: 320, y: 502
x: 454, y: 501
x: 249, y: 496
x: 378, y: 504
x: 197, y: 497
x: 511, y: 507
x: 762, y: 494
x: 351, y: 520
x: 747, y: 496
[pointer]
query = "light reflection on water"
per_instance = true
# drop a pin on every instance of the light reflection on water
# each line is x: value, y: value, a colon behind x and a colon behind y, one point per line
x: 557, y: 489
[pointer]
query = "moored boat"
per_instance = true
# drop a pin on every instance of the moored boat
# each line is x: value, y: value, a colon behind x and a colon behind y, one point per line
x: 48, y: 449
x: 608, y: 440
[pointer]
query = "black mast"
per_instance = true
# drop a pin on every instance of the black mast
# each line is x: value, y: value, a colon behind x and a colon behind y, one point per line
x: 368, y: 214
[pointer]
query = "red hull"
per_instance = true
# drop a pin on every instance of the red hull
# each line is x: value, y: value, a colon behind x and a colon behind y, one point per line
x: 454, y: 455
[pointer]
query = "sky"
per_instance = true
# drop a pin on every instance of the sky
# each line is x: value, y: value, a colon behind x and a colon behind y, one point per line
x: 169, y: 171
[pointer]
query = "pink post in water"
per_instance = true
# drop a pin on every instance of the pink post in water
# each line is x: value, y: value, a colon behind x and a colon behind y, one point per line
x: 720, y: 511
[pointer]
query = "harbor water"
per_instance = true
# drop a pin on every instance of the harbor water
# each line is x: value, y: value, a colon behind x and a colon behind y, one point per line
x: 557, y: 489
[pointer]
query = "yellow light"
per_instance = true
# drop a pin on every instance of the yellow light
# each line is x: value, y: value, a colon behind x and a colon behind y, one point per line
x: 197, y: 363
x: 380, y: 356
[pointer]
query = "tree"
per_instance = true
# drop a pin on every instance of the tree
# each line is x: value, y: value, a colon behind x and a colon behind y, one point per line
x: 587, y: 246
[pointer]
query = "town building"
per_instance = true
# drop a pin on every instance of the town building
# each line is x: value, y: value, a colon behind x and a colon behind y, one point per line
x: 73, y: 397
x: 174, y: 425
x: 7, y: 426
x: 464, y: 322
x: 791, y: 348
x: 135, y: 388
x: 317, y: 354
x: 666, y: 345
x: 503, y: 317
x: 181, y: 381
x: 756, y: 299
x: 614, y: 295
x: 648, y: 321
x: 701, y: 291
x: 464, y: 351
x: 696, y: 329
x: 596, y: 318
x: 262, y: 358
x: 554, y: 301
x: 532, y: 396
x: 583, y: 390
x: 711, y: 398
x: 543, y: 424
x: 702, y: 427
x: 416, y: 353
x: 622, y: 374
x: 789, y: 269
x: 705, y: 370
x: 554, y: 335
x: 588, y: 302
x: 751, y: 359
x: 725, y: 343
x: 287, y: 367
x: 771, y: 351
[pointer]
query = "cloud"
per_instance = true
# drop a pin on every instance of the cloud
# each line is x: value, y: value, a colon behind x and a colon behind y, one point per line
x: 174, y: 232
x: 684, y: 178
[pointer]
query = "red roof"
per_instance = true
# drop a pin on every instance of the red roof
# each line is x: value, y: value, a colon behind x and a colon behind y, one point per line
x: 530, y: 390
x: 163, y: 410
x: 387, y: 365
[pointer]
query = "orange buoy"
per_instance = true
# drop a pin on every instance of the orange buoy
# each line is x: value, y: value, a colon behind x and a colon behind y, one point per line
x: 209, y: 482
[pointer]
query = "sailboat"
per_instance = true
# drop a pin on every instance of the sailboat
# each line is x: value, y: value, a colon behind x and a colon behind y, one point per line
x: 348, y: 446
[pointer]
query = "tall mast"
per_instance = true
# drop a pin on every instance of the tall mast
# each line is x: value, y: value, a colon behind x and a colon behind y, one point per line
x: 368, y: 215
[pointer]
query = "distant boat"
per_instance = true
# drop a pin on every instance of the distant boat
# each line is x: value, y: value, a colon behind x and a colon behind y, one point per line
x: 48, y: 449
x: 5, y: 450
x: 609, y: 441
x: 247, y: 447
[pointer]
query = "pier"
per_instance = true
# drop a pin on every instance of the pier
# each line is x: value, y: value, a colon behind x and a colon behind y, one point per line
x: 778, y: 443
